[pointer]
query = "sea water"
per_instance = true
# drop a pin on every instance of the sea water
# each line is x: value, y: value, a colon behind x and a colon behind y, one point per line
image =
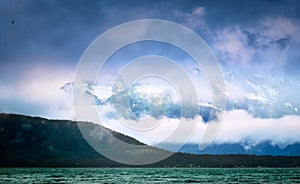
x: 149, y: 175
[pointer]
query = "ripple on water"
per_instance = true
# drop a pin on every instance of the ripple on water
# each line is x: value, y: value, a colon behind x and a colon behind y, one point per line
x: 145, y: 175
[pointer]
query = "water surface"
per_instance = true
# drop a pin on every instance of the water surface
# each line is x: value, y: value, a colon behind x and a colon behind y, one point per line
x: 149, y: 175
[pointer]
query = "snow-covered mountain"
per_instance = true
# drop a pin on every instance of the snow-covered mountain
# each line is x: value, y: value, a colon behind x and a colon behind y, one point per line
x: 257, y: 98
x: 262, y: 97
x: 145, y: 99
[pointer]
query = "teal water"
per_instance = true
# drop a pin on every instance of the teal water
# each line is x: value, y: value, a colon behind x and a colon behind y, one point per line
x: 149, y: 175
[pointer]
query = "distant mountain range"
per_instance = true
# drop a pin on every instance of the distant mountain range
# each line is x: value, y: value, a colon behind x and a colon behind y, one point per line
x: 259, y: 96
x: 263, y: 148
x: 37, y: 142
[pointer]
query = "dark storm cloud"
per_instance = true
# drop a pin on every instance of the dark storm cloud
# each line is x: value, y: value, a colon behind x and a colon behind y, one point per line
x: 46, y: 28
x: 58, y: 32
x: 61, y: 30
x: 243, y: 12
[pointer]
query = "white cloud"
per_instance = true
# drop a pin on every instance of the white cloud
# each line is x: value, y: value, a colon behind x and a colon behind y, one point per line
x: 232, y: 44
x: 199, y: 11
x: 39, y: 89
x: 273, y: 38
x: 194, y: 19
x: 264, y: 45
x: 272, y: 29
x: 162, y: 128
x: 237, y: 126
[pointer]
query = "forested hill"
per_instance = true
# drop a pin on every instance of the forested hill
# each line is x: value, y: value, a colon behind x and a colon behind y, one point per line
x: 37, y: 142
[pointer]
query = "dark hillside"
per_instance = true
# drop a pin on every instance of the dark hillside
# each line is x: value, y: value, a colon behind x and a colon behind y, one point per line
x: 36, y: 142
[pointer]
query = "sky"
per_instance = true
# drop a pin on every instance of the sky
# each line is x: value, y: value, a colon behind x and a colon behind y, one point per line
x: 257, y: 44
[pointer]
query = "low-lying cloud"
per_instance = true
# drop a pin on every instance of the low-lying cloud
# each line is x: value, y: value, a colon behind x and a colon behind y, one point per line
x: 237, y: 126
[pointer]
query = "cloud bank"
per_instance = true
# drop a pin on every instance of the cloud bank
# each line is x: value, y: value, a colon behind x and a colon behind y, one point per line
x: 237, y: 127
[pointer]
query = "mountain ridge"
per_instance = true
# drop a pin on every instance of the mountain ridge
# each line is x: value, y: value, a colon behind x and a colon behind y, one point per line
x: 38, y: 142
